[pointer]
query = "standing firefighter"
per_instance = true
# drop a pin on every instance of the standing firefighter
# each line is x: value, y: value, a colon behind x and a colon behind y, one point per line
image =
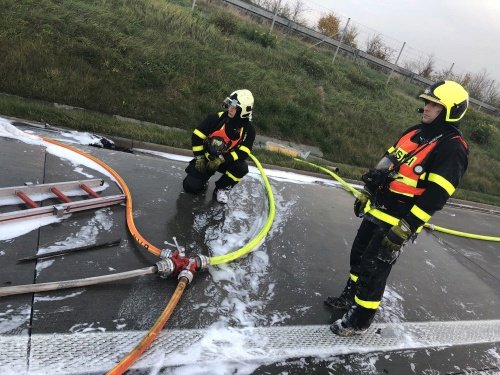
x: 222, y: 142
x: 413, y: 180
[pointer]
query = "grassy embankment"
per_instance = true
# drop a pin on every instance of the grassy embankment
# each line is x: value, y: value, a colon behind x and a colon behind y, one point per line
x: 156, y: 61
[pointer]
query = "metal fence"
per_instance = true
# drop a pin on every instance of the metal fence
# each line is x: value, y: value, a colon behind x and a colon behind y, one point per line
x: 356, y: 53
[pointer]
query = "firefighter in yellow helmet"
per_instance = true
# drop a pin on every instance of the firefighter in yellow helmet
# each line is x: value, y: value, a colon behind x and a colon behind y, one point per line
x: 222, y: 142
x: 412, y: 181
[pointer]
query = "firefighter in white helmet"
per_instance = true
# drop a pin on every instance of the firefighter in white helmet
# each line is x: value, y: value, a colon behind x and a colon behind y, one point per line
x: 411, y: 182
x: 222, y: 142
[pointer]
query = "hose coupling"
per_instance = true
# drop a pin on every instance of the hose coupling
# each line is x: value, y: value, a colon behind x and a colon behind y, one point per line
x: 187, y: 274
x: 202, y: 262
x: 166, y: 253
x: 166, y: 267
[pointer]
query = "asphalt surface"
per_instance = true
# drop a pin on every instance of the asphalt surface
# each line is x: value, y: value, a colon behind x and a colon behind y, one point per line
x: 304, y: 259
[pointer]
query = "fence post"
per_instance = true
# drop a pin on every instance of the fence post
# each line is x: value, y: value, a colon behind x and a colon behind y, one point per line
x: 395, y: 64
x: 449, y: 71
x: 274, y: 16
x: 487, y: 94
x: 341, y: 39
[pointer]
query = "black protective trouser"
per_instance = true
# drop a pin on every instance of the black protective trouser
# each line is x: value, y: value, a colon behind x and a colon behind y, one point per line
x: 195, y: 180
x: 372, y: 272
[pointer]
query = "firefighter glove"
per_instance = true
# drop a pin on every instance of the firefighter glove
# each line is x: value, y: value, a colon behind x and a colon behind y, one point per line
x: 397, y: 236
x: 215, y: 163
x: 360, y: 203
x: 200, y: 164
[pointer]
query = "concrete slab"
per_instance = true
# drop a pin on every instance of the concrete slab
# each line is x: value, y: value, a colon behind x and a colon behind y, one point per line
x: 282, y: 284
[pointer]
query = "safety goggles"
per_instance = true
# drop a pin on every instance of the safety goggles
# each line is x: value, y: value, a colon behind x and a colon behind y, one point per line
x: 228, y: 102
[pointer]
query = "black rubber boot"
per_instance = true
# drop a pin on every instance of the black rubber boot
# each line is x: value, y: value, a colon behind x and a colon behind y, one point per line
x: 346, y: 298
x: 356, y: 321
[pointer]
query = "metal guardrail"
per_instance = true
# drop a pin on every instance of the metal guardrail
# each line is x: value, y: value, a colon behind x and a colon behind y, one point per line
x: 357, y: 53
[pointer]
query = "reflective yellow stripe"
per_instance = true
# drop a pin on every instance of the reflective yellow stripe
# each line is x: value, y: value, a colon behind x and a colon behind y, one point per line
x: 233, y: 177
x: 199, y: 134
x: 386, y: 218
x: 367, y: 304
x: 197, y: 148
x: 207, y: 154
x: 390, y: 150
x: 406, y: 180
x: 234, y: 155
x: 245, y: 149
x: 353, y: 277
x: 398, y: 192
x: 421, y: 214
x: 381, y: 215
x: 220, y: 114
x: 443, y: 182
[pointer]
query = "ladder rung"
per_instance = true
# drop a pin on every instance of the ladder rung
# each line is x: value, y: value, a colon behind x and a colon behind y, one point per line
x: 61, y: 209
x: 60, y: 195
x: 40, y: 192
x: 26, y: 199
x: 89, y: 191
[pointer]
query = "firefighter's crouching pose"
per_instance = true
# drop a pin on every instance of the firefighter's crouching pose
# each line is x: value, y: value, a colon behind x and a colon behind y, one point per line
x: 222, y: 142
x: 413, y: 180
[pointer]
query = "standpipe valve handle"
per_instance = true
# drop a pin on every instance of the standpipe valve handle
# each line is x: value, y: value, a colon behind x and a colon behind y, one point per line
x: 175, y: 262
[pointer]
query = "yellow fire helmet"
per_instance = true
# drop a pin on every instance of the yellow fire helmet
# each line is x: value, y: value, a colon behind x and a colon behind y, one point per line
x: 241, y: 99
x: 451, y: 95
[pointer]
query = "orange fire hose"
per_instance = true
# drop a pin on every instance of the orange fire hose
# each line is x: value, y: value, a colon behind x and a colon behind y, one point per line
x: 132, y: 357
x: 135, y: 353
x: 130, y: 220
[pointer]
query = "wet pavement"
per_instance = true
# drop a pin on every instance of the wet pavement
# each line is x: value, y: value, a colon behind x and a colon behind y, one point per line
x: 281, y: 285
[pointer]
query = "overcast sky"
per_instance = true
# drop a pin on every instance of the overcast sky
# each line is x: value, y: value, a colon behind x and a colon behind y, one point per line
x: 464, y: 32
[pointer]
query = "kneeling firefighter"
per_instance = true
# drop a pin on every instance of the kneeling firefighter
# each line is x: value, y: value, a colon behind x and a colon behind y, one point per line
x: 222, y: 142
x: 413, y: 180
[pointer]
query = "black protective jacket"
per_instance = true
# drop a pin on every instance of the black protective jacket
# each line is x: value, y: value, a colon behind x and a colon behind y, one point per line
x: 233, y: 128
x: 448, y: 161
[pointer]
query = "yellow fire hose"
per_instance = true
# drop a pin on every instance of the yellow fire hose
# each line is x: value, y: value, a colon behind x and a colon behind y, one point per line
x: 132, y: 357
x: 427, y: 225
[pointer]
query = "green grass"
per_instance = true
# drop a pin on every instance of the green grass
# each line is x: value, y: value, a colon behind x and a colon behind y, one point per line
x: 156, y: 61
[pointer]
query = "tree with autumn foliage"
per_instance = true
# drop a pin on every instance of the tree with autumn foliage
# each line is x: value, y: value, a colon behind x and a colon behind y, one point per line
x: 329, y: 25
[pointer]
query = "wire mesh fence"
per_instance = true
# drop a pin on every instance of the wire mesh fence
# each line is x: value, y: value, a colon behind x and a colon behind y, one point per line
x: 393, y: 55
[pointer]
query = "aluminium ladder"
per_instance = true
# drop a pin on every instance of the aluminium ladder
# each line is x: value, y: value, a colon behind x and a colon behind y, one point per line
x: 30, y: 193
